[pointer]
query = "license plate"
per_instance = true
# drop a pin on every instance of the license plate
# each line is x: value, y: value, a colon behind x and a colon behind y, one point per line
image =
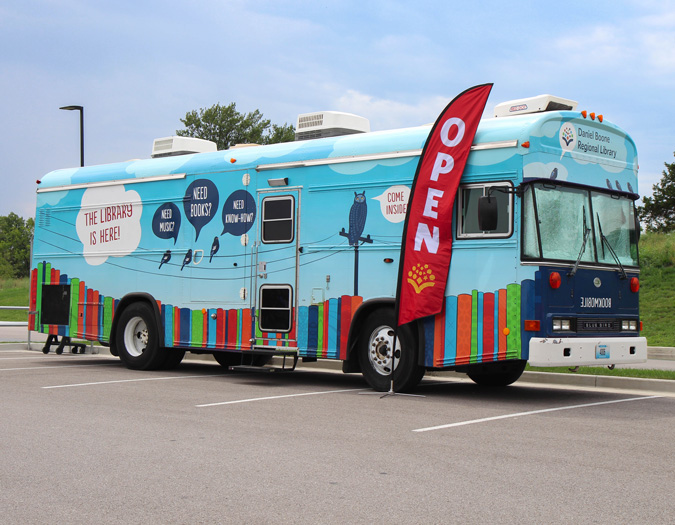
x: 602, y: 351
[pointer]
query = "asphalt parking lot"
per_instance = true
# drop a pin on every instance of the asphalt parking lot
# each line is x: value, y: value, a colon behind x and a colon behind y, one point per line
x: 87, y: 441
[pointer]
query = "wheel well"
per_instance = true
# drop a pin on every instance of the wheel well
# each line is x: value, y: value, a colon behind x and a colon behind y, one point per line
x: 131, y: 298
x: 351, y: 364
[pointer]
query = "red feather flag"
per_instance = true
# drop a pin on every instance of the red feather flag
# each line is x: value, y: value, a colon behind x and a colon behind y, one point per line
x: 427, y: 233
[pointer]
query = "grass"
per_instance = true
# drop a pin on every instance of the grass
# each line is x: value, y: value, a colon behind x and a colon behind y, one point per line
x: 14, y: 292
x: 642, y: 373
x: 657, y: 288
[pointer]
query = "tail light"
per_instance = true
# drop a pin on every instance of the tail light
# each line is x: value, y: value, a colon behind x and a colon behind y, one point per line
x: 634, y: 284
x: 554, y: 280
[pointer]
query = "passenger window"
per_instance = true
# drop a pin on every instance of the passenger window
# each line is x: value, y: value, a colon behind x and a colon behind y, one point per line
x: 467, y: 210
x: 276, y: 306
x: 278, y: 219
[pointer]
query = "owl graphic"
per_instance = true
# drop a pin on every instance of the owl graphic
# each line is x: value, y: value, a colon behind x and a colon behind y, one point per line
x: 357, y: 218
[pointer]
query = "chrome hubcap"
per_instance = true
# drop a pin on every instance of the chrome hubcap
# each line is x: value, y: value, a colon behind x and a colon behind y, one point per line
x: 380, y: 347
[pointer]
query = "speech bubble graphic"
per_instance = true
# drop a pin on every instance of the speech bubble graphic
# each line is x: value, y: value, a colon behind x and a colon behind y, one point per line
x: 394, y: 203
x: 166, y: 221
x: 238, y: 213
x: 109, y: 223
x: 200, y: 203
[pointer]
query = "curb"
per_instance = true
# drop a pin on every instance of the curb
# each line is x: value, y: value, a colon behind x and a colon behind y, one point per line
x: 661, y: 352
x: 663, y: 386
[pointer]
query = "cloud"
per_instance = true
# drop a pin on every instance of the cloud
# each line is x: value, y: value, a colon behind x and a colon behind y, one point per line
x: 645, y: 42
x: 389, y: 114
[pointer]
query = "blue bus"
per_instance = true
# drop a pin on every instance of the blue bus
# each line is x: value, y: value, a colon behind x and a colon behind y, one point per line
x: 291, y: 250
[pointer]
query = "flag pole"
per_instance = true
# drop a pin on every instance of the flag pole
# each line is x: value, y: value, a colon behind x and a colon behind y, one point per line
x: 465, y: 118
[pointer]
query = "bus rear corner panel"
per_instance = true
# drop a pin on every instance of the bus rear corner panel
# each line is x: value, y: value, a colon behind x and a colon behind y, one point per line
x: 55, y: 306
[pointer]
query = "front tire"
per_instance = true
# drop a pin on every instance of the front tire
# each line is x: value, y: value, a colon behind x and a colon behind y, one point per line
x: 498, y: 374
x: 137, y: 338
x: 375, y: 353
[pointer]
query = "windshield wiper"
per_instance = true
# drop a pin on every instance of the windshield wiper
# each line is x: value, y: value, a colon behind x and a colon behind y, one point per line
x: 587, y: 231
x: 605, y: 242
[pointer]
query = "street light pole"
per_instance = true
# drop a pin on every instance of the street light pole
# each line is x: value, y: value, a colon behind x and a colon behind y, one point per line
x: 81, y: 110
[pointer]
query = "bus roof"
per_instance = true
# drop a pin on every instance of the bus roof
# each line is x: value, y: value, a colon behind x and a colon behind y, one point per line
x: 588, y: 141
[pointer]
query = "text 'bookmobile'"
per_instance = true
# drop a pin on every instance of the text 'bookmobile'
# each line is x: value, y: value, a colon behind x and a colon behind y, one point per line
x: 293, y: 249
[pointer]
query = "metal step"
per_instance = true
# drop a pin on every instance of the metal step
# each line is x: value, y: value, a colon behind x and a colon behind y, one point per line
x: 53, y: 340
x: 267, y: 369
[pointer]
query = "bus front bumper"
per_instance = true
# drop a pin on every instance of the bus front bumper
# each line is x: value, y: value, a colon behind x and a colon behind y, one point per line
x: 587, y: 351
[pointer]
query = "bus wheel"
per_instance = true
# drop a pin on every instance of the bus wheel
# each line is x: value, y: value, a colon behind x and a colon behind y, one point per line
x: 137, y: 339
x: 501, y: 373
x: 174, y: 356
x: 375, y: 353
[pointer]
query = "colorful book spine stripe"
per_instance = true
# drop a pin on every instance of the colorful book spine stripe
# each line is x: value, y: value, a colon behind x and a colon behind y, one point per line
x: 212, y: 328
x: 323, y: 328
x: 471, y: 328
x: 476, y: 328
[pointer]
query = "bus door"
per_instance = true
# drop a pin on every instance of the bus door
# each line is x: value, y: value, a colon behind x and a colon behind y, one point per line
x: 276, y: 268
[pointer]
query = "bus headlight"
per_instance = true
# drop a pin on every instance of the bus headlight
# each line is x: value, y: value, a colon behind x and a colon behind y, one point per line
x: 629, y: 325
x: 561, y: 325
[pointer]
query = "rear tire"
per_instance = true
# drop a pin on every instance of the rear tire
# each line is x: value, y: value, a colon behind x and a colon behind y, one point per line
x: 375, y: 355
x: 498, y: 374
x: 174, y: 356
x: 137, y: 338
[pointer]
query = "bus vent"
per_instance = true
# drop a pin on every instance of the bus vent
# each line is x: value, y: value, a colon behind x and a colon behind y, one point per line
x: 45, y: 218
x: 329, y: 124
x: 172, y: 146
x: 536, y: 104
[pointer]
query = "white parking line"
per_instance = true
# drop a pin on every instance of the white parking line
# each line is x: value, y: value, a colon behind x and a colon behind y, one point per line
x: 530, y: 413
x: 48, y: 367
x: 43, y: 357
x: 129, y: 381
x: 278, y: 397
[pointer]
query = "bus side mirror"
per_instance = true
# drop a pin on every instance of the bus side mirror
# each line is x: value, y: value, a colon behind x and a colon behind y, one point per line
x: 487, y: 213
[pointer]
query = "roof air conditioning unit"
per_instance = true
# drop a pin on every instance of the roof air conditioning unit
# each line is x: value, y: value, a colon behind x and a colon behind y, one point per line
x: 172, y: 146
x: 534, y: 105
x: 329, y: 124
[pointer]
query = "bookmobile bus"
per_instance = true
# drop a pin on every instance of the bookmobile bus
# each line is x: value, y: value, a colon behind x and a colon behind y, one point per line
x: 292, y: 250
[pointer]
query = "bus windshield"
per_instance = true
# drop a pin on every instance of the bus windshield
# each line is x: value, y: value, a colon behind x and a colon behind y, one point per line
x: 570, y: 224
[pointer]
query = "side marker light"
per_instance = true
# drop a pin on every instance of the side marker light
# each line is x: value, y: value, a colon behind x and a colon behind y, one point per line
x: 532, y: 326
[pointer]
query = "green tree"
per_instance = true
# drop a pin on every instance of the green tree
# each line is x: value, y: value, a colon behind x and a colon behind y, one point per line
x: 225, y: 126
x: 15, y: 238
x: 658, y: 211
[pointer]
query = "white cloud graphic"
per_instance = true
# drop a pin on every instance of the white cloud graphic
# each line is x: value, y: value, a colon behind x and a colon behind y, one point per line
x: 109, y: 223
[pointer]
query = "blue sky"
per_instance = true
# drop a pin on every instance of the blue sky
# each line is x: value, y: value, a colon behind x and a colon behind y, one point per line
x: 138, y: 67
